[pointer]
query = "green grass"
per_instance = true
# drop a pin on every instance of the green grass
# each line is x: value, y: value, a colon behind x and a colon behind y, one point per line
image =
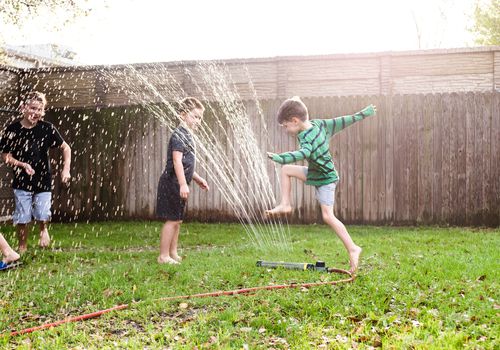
x: 418, y: 288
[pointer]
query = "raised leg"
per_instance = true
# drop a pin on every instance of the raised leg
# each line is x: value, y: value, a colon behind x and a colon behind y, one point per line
x: 287, y: 173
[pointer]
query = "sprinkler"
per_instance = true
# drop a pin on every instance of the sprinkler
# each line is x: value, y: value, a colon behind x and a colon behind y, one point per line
x: 319, y: 266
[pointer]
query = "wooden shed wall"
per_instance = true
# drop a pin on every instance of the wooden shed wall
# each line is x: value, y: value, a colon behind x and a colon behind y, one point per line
x: 431, y: 71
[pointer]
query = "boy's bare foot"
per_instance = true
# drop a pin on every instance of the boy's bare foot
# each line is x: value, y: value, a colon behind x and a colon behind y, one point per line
x: 44, y: 239
x: 22, y: 249
x: 12, y: 256
x: 354, y: 259
x: 166, y: 260
x: 279, y: 210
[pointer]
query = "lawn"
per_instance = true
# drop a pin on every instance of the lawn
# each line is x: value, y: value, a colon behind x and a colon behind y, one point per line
x: 417, y: 288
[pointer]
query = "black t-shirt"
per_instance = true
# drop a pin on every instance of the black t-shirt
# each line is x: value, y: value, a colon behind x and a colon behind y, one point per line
x: 31, y: 145
x: 181, y: 141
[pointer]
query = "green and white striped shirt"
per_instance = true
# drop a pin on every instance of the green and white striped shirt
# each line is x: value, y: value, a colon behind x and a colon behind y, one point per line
x: 314, y: 146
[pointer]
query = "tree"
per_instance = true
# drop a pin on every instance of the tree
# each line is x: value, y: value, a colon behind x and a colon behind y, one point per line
x: 17, y: 12
x: 487, y: 22
x: 59, y: 13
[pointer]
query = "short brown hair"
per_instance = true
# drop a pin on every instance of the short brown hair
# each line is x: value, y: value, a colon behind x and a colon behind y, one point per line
x: 292, y: 107
x: 35, y: 96
x: 188, y: 104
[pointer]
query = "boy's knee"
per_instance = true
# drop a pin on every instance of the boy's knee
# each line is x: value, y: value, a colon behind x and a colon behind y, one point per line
x: 327, y: 214
x: 285, y: 168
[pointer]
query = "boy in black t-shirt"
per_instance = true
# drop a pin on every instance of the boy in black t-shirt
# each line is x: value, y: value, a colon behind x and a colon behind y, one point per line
x: 173, y: 190
x: 25, y: 146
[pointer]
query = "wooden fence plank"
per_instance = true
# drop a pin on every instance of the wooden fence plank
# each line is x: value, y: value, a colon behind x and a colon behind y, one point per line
x: 366, y: 171
x: 387, y: 133
x: 437, y: 160
x: 425, y: 169
x: 495, y: 161
x: 397, y: 105
x: 371, y: 124
x: 446, y: 160
x: 461, y: 164
x: 380, y: 157
x: 477, y: 194
x: 469, y: 157
x: 453, y: 127
x: 486, y: 157
x: 343, y: 157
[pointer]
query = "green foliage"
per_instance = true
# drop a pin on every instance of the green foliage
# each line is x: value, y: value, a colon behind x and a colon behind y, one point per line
x: 58, y: 13
x: 487, y: 22
x: 419, y: 288
x: 18, y: 12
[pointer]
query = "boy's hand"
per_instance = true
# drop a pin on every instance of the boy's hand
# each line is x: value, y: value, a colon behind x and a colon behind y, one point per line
x: 270, y: 155
x: 65, y: 176
x: 202, y: 183
x: 29, y: 170
x: 184, y: 191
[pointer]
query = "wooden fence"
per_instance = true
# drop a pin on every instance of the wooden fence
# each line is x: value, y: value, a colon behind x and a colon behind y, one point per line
x: 432, y: 159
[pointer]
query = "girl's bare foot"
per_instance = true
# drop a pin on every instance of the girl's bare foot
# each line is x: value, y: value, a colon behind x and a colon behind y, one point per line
x: 22, y: 249
x: 354, y: 259
x: 279, y: 210
x: 12, y: 256
x: 176, y: 257
x: 166, y: 260
x: 44, y: 239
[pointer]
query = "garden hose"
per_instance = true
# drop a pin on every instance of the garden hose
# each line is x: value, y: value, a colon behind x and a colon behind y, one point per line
x: 244, y: 291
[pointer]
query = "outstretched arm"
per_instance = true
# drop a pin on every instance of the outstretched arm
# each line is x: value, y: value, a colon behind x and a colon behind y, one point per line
x: 337, y: 124
x: 291, y: 157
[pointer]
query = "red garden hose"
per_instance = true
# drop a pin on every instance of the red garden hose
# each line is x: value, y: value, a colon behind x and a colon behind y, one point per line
x: 192, y: 296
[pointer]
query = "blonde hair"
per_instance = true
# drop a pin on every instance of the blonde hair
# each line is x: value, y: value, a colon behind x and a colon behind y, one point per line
x: 188, y: 104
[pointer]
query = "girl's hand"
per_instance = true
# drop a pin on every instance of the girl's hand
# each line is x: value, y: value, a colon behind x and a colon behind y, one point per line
x: 184, y: 191
x: 202, y: 183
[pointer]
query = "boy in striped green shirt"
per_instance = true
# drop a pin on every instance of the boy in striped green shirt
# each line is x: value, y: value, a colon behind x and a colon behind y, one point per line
x: 314, y: 136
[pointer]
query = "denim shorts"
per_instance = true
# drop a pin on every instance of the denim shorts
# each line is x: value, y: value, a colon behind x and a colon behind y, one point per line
x: 31, y: 205
x: 325, y: 194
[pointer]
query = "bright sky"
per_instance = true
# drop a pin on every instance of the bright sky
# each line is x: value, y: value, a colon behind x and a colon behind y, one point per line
x: 134, y: 31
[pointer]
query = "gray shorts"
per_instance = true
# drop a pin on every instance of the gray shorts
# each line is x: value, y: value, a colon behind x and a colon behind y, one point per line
x: 325, y: 194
